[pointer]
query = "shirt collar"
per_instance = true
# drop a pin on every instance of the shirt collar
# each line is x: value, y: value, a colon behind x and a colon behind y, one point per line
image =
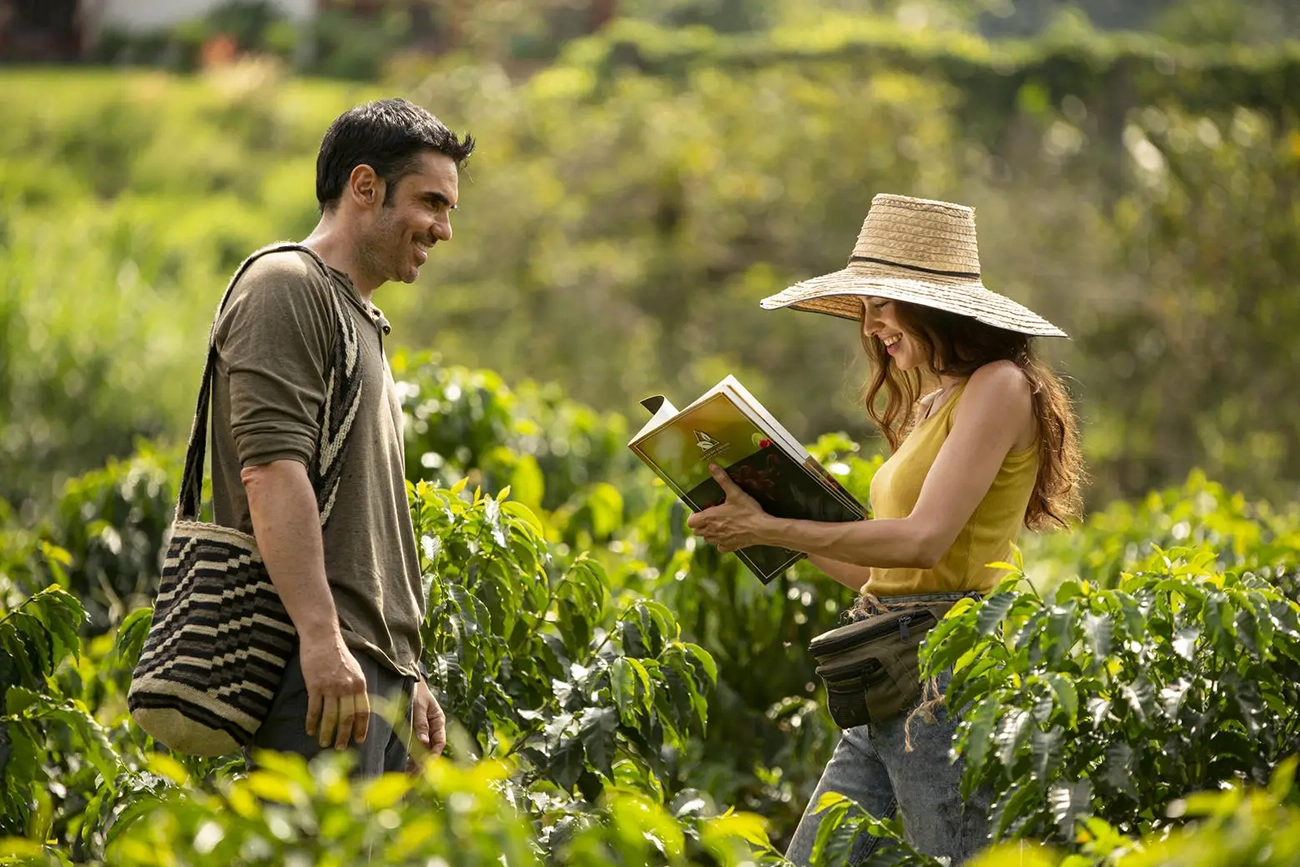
x: 375, y: 314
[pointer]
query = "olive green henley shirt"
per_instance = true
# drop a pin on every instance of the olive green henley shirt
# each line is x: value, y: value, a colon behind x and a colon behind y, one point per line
x: 275, y: 346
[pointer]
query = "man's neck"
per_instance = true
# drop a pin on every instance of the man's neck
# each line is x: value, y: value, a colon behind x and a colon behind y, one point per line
x: 339, y: 253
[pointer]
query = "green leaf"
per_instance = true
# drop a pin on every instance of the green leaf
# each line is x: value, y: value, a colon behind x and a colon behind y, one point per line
x: 624, y: 686
x: 62, y: 615
x: 1141, y: 697
x: 1069, y: 802
x: 131, y: 636
x: 1185, y: 639
x: 632, y: 637
x: 1060, y: 632
x: 1283, y: 778
x: 1098, y: 710
x: 648, y: 689
x: 995, y: 607
x: 1016, y: 809
x: 1172, y: 696
x: 1067, y: 697
x: 1045, y: 754
x: 978, y: 742
x: 566, y: 762
x: 93, y: 740
x: 1135, y: 621
x: 1100, y: 632
x: 1012, y: 736
x: 605, y: 505
x: 1118, y: 768
x: 970, y: 683
x: 1213, y: 616
x: 1247, y: 631
x: 1068, y: 589
x: 596, y: 729
x: 834, y: 835
x: 704, y: 661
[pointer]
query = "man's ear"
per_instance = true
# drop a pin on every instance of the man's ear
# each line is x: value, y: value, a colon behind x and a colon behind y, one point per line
x: 366, y: 187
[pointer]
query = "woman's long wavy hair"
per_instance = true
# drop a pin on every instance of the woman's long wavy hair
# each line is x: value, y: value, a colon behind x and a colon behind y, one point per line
x: 958, y: 346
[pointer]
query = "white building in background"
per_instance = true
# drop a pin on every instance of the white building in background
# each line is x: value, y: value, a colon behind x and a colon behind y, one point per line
x: 146, y: 15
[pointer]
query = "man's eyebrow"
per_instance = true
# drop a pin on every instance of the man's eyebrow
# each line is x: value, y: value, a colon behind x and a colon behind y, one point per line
x: 439, y: 199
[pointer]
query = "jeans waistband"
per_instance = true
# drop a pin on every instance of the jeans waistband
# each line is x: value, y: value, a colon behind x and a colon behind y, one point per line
x: 869, y: 605
x: 927, y: 598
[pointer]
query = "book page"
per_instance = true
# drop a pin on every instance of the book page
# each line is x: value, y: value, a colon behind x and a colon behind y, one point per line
x: 660, y: 417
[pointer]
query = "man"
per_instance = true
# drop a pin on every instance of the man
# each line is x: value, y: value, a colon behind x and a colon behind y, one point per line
x: 386, y: 181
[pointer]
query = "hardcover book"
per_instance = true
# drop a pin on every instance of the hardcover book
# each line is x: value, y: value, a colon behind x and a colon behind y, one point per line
x: 728, y: 426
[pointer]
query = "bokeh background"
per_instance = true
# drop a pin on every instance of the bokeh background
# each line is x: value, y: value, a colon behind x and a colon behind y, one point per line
x: 647, y: 170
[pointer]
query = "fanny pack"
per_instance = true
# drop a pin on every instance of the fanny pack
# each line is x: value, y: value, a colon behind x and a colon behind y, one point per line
x: 870, y: 667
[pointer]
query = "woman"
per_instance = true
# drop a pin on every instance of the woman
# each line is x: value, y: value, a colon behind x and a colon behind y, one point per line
x: 992, y: 448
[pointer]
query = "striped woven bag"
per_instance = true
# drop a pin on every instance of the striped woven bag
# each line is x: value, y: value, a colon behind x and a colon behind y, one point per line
x: 220, y: 638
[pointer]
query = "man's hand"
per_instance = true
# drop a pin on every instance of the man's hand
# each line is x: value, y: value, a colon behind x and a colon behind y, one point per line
x: 430, y: 724
x: 337, y: 701
x: 737, y: 523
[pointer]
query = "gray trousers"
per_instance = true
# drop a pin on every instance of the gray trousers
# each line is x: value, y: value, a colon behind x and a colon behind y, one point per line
x: 384, y: 750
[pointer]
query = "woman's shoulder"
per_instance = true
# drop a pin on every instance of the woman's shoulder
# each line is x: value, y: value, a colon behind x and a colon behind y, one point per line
x: 999, y: 386
x: 1004, y: 379
x: 1000, y: 389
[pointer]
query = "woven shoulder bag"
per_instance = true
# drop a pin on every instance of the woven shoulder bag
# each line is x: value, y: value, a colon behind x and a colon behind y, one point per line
x: 220, y: 638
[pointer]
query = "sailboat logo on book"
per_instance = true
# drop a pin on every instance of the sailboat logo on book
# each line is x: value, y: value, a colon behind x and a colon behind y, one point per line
x: 708, y: 444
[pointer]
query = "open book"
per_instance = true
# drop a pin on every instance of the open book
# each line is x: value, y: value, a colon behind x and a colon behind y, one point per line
x: 728, y: 426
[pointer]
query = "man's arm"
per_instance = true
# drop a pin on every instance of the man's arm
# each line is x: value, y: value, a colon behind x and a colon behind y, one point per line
x: 286, y: 524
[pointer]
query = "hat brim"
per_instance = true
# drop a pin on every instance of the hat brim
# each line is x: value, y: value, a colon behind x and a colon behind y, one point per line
x: 839, y: 294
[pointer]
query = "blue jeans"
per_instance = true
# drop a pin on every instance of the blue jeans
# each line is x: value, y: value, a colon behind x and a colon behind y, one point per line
x: 872, y: 766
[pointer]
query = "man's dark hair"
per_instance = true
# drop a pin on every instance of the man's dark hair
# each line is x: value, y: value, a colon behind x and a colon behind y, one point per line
x: 389, y: 135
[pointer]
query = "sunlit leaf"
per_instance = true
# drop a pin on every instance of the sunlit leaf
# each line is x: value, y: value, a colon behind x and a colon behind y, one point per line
x: 992, y: 611
x: 1067, y: 697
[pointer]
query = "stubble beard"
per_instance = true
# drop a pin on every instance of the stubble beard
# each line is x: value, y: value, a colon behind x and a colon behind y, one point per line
x: 376, y: 253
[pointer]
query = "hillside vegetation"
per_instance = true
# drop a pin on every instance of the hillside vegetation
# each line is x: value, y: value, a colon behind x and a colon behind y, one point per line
x: 629, y: 205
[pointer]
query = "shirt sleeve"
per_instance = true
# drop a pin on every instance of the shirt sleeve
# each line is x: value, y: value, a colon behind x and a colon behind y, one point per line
x: 275, y: 343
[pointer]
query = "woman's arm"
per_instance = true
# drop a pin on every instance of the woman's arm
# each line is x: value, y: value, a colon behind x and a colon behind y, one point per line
x: 851, y: 576
x: 994, y: 409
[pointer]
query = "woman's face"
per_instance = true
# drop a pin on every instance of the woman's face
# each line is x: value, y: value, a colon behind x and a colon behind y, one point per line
x: 880, y: 322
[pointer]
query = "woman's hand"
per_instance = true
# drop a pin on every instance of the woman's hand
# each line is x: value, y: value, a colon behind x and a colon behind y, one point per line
x: 737, y: 523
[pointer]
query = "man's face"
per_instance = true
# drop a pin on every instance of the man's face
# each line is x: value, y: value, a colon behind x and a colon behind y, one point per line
x: 415, y: 215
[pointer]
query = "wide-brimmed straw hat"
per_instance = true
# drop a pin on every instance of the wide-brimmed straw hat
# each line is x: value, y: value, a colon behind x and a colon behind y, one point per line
x: 919, y: 251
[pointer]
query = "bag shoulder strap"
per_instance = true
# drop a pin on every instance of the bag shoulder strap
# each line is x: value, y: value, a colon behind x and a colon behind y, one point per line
x: 342, y: 397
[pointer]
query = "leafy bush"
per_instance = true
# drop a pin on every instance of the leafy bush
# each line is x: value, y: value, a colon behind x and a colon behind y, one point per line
x: 1116, y: 702
x: 585, y: 707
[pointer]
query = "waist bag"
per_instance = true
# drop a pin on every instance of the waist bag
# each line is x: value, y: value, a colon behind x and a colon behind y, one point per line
x: 870, y: 668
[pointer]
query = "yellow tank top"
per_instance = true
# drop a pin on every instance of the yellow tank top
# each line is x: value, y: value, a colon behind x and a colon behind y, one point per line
x: 987, y: 536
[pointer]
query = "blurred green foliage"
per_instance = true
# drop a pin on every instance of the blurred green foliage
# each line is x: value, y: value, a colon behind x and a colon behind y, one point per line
x: 652, y: 184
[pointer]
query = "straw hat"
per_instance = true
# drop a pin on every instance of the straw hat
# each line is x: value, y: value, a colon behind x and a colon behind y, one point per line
x: 919, y: 251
